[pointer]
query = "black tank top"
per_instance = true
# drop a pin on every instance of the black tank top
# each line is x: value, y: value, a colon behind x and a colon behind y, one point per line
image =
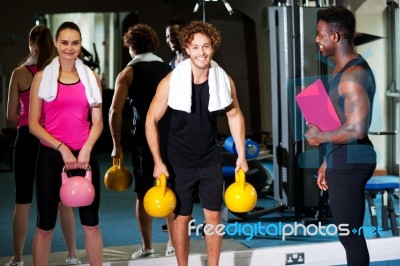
x: 147, y: 75
x: 361, y: 150
x: 193, y: 136
x: 367, y: 81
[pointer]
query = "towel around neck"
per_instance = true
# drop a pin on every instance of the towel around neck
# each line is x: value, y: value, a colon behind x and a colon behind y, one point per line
x: 180, y: 90
x: 48, y: 87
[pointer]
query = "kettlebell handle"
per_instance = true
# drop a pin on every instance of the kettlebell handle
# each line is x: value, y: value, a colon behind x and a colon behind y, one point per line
x: 240, y: 178
x: 119, y: 161
x: 162, y: 183
x: 64, y: 176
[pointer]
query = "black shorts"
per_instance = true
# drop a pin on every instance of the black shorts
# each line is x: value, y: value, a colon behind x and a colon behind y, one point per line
x: 143, y: 168
x: 206, y: 182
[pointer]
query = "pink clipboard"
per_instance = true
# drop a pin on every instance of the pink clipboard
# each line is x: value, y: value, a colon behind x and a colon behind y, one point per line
x: 317, y: 108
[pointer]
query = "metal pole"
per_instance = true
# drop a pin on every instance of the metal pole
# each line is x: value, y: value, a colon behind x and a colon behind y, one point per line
x: 204, y: 11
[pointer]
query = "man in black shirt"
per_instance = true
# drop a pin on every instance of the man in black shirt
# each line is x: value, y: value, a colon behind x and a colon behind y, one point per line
x: 196, y: 91
x: 138, y: 82
x: 350, y: 158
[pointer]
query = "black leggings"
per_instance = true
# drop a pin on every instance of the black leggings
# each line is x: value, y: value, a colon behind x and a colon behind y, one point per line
x: 347, y: 202
x: 24, y: 163
x: 48, y: 183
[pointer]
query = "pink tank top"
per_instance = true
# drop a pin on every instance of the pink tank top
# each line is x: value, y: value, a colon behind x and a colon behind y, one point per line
x: 67, y: 115
x: 24, y: 101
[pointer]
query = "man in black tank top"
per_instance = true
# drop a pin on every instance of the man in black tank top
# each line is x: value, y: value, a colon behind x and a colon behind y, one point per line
x: 172, y: 29
x: 350, y: 159
x: 194, y: 95
x: 138, y: 83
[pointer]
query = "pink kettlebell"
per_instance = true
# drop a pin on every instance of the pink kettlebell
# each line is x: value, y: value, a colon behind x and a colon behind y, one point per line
x: 77, y: 191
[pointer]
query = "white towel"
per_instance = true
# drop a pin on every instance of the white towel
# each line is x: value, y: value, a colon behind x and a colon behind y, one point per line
x: 145, y: 57
x: 180, y: 91
x: 48, y: 87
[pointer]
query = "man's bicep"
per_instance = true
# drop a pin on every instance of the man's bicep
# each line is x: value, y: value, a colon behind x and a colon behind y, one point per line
x: 357, y: 105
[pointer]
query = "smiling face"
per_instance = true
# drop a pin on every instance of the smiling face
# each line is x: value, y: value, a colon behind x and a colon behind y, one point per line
x: 200, y: 50
x: 325, y: 39
x: 171, y: 38
x: 68, y: 44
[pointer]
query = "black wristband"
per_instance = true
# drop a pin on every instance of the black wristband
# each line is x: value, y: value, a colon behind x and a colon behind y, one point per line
x: 59, y: 145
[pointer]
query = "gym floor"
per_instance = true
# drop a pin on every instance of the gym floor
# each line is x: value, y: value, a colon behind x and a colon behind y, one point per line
x: 120, y: 231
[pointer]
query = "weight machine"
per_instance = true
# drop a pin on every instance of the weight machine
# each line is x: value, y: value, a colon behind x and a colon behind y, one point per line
x: 295, y: 63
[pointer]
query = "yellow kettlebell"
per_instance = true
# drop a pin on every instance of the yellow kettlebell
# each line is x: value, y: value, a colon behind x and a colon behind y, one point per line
x: 160, y: 200
x: 118, y: 176
x: 240, y: 196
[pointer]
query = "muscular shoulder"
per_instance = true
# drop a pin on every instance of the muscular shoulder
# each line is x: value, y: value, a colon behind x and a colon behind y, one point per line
x: 126, y: 75
x: 356, y: 73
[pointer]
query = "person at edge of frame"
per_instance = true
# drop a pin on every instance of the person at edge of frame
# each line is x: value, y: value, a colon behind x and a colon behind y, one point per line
x: 349, y: 155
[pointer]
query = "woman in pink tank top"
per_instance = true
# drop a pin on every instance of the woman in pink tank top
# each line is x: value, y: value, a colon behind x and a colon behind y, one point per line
x: 71, y: 129
x: 26, y: 145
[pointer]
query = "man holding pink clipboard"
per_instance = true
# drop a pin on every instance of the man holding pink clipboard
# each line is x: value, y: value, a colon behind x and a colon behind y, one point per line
x: 350, y: 158
x: 317, y: 107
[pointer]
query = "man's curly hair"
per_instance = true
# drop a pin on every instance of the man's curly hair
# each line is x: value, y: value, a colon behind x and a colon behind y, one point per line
x: 188, y: 32
x: 142, y: 38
